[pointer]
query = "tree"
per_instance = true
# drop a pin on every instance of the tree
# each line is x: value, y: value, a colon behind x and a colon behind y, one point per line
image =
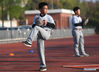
x: 13, y: 8
x: 69, y: 4
x: 33, y: 4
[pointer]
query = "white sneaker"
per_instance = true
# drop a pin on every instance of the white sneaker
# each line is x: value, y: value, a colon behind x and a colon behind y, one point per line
x: 77, y: 55
x: 85, y: 55
x: 43, y: 69
x: 27, y: 44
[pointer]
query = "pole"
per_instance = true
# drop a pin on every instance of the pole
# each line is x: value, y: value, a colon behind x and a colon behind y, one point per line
x: 2, y: 15
x: 52, y: 4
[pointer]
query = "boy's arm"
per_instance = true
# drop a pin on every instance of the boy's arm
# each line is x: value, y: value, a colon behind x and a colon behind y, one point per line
x: 78, y: 24
x: 84, y: 22
x: 51, y: 25
x: 75, y: 22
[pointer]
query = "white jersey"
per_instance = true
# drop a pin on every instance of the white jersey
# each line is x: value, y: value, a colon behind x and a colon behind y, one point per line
x: 75, y: 20
x: 47, y: 17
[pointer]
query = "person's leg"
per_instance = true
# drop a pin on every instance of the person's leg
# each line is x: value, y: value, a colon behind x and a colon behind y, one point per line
x: 82, y: 44
x: 76, y: 37
x: 33, y: 34
x: 41, y: 52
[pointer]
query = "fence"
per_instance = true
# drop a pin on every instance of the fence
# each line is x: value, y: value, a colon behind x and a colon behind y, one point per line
x: 20, y: 35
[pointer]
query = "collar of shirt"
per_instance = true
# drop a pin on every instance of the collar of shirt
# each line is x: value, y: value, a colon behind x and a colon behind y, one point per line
x: 43, y: 15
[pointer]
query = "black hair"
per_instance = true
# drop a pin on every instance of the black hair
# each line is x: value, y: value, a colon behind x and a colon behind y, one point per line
x: 76, y: 8
x: 42, y: 4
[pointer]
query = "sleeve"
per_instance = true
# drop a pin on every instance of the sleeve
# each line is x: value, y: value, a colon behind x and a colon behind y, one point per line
x: 75, y: 22
x: 51, y: 23
x: 33, y: 24
x: 34, y: 19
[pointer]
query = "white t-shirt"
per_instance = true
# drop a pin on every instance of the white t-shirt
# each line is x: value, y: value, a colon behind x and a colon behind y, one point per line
x: 75, y: 20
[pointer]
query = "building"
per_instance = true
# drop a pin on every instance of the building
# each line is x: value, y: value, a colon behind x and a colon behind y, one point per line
x: 61, y: 17
x: 9, y: 23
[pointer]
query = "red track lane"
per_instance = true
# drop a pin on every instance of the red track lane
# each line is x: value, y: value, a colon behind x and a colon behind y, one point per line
x: 59, y: 52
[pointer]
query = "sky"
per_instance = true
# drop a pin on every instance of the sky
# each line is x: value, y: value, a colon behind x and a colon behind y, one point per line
x: 90, y: 0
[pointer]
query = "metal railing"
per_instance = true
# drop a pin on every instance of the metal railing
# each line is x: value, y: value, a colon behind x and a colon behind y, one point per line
x: 20, y: 35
